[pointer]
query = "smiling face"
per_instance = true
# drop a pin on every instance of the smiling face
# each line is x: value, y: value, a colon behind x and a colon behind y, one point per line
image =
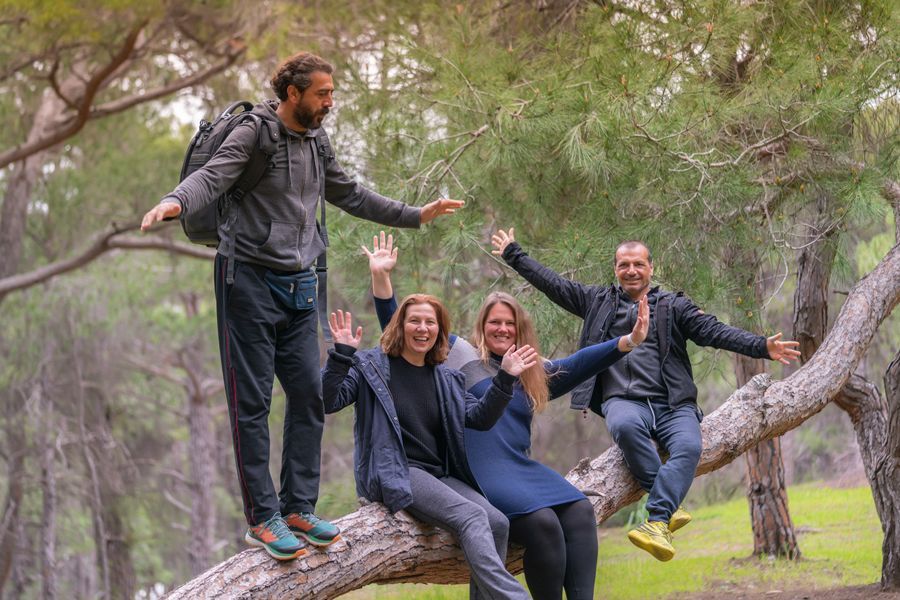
x: 634, y: 269
x: 499, y: 328
x: 420, y: 332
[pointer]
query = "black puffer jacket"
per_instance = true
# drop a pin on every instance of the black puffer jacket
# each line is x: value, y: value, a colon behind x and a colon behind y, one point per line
x: 678, y: 320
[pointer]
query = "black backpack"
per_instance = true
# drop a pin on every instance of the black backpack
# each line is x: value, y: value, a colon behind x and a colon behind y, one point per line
x: 202, y: 227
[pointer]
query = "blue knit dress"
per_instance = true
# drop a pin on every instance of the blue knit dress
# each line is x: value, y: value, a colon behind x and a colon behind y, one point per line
x: 500, y: 457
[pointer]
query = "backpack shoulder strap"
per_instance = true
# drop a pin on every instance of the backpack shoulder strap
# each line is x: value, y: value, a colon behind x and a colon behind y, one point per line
x: 323, y: 155
x: 265, y: 148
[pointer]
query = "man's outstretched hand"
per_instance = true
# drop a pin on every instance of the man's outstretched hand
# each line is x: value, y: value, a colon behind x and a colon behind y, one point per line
x: 784, y: 351
x: 166, y: 210
x: 435, y: 209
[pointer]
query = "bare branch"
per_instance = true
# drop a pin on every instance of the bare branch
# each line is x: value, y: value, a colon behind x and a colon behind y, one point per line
x: 176, y: 503
x: 103, y: 242
x: 155, y: 370
x: 80, y: 118
x: 236, y: 48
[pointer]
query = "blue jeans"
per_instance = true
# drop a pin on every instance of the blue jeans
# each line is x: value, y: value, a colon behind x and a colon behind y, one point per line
x: 635, y: 425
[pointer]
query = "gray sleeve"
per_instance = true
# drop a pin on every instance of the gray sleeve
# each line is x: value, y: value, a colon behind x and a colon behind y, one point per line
x: 359, y: 201
x: 221, y: 172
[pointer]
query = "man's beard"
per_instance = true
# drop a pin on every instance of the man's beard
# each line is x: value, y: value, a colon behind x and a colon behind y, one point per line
x: 309, y: 119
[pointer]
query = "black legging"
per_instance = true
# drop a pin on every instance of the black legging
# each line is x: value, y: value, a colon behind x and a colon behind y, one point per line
x: 560, y: 550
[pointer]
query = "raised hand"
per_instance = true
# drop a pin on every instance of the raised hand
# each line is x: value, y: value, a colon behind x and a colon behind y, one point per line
x: 383, y: 256
x: 784, y: 351
x: 642, y: 325
x: 435, y: 209
x: 165, y: 210
x: 500, y: 240
x: 341, y: 326
x: 516, y: 361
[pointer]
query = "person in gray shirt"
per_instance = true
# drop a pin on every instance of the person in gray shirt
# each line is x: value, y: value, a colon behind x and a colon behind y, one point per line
x: 265, y: 286
x: 648, y: 397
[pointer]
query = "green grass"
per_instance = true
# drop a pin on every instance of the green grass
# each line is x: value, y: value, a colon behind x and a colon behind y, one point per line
x: 839, y: 536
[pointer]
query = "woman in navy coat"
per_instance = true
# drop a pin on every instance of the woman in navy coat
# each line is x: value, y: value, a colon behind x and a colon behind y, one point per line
x: 411, y: 412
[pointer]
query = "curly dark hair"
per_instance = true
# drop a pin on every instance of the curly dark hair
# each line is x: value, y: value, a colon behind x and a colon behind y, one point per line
x: 296, y: 71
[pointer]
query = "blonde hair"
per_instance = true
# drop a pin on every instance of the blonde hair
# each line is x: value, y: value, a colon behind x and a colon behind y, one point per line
x: 533, y: 380
x: 392, y: 339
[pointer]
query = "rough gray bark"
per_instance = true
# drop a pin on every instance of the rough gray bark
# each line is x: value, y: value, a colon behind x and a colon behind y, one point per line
x: 378, y: 547
x: 875, y: 420
x: 773, y: 530
x: 890, y: 480
x: 770, y: 519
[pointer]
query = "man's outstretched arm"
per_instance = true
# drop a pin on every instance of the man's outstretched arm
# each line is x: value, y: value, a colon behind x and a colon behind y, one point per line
x: 570, y: 295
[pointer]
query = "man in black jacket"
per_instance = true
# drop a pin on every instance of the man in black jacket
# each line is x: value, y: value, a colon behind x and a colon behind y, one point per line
x: 648, y: 397
x: 265, y: 283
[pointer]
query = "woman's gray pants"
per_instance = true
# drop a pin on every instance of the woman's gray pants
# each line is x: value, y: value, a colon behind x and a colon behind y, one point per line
x: 481, y: 529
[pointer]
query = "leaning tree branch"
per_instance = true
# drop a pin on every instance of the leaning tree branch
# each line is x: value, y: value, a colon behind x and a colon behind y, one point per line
x: 377, y: 547
x: 235, y: 49
x: 111, y: 239
x: 75, y: 124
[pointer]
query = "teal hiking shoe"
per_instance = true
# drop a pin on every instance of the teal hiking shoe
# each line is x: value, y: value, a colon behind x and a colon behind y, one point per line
x: 314, y: 530
x: 276, y: 539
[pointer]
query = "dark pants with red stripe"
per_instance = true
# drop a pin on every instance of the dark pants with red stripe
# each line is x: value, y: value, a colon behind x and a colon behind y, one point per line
x: 259, y: 339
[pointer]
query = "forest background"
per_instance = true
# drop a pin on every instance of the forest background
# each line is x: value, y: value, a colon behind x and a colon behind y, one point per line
x: 752, y: 145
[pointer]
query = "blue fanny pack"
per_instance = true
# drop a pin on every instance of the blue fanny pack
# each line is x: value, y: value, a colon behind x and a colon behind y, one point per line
x: 296, y: 291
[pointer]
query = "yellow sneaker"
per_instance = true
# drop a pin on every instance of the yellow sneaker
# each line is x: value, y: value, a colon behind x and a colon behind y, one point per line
x: 679, y: 519
x: 655, y: 538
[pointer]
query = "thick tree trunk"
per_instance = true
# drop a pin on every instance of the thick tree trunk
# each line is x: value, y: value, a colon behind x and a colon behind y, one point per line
x: 49, y: 500
x: 15, y: 473
x: 203, y: 505
x: 22, y: 179
x: 868, y: 412
x: 378, y: 547
x: 874, y: 420
x: 98, y: 450
x: 888, y: 490
x: 773, y: 530
x: 770, y: 519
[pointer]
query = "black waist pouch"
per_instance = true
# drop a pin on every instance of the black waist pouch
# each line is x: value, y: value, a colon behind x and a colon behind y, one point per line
x: 296, y: 291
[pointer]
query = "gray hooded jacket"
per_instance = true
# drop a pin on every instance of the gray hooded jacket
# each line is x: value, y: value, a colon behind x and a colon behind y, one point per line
x: 275, y: 223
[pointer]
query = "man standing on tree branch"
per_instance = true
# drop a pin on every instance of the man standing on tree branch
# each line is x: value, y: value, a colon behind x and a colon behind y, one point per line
x: 648, y: 397
x: 265, y: 284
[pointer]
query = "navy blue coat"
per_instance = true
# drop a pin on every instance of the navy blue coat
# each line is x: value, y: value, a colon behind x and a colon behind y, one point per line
x: 381, y: 468
x: 677, y: 321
